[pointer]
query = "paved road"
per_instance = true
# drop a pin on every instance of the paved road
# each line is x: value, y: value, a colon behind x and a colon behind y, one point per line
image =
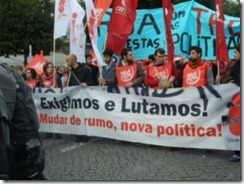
x: 105, y: 159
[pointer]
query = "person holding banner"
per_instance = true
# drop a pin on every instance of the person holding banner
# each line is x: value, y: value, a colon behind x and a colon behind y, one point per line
x: 108, y: 71
x: 79, y: 75
x: 235, y: 74
x: 197, y: 72
x: 128, y: 72
x: 48, y: 80
x: 93, y: 69
x: 159, y: 74
x: 31, y: 78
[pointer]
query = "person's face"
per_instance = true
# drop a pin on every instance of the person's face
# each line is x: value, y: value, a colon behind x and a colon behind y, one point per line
x: 50, y: 69
x: 129, y: 56
x: 28, y: 74
x: 107, y: 59
x: 165, y: 59
x: 237, y: 55
x: 69, y: 61
x: 159, y: 58
x: 194, y: 55
x: 89, y: 60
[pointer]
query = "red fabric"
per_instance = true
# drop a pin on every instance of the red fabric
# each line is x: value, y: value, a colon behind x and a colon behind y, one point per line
x: 116, y: 42
x: 151, y: 78
x: 168, y: 11
x: 126, y: 74
x: 37, y: 63
x: 123, y: 16
x: 195, y: 76
x: 101, y: 7
x: 32, y: 83
x: 221, y: 48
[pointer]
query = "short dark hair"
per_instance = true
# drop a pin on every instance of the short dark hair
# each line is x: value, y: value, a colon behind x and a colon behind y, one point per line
x: 151, y: 56
x: 88, y: 55
x: 197, y: 49
x: 237, y: 47
x: 160, y: 51
x: 125, y: 51
x: 33, y: 72
x: 108, y: 52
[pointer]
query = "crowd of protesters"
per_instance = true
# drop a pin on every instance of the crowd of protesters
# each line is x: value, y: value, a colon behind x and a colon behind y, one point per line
x: 155, y: 72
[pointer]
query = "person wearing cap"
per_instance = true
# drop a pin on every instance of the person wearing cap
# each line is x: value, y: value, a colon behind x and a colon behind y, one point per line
x: 159, y: 70
x: 197, y: 72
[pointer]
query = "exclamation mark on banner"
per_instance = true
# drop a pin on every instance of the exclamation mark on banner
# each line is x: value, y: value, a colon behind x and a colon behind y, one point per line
x: 219, y: 126
x: 205, y: 104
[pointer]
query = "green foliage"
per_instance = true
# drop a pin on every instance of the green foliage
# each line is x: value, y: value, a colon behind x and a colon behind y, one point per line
x: 230, y: 7
x: 25, y: 22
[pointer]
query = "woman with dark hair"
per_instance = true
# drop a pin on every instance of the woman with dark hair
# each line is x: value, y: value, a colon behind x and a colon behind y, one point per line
x: 31, y: 77
x: 48, y: 80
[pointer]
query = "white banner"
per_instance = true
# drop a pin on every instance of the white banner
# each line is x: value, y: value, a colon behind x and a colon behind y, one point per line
x: 61, y: 18
x: 179, y: 117
x: 92, y: 28
x: 77, y: 33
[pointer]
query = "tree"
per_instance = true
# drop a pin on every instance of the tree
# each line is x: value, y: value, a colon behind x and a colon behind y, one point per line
x: 231, y: 7
x: 25, y: 23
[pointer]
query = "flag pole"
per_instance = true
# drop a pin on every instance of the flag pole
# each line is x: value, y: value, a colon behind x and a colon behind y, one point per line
x: 54, y: 64
x: 100, y: 67
x: 218, y: 73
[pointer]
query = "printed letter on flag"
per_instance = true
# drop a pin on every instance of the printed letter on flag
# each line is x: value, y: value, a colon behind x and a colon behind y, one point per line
x: 101, y: 7
x: 221, y: 48
x: 167, y: 11
x: 92, y: 28
x: 77, y: 34
x: 61, y: 18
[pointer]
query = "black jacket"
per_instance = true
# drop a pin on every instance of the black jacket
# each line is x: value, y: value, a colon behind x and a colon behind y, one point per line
x: 82, y: 73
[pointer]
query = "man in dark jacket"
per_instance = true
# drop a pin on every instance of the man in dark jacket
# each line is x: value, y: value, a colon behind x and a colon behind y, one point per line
x: 80, y: 75
x: 235, y: 74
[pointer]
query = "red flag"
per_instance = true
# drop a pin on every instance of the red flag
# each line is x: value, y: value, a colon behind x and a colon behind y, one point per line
x: 101, y: 7
x: 116, y: 42
x: 168, y: 11
x: 37, y: 63
x: 121, y: 23
x: 123, y: 16
x: 221, y: 48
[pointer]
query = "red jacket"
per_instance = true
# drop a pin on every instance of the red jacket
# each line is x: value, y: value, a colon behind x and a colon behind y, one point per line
x: 195, y: 76
x: 165, y: 70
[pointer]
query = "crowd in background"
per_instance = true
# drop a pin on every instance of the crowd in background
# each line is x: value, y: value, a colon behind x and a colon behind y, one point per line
x: 155, y: 72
